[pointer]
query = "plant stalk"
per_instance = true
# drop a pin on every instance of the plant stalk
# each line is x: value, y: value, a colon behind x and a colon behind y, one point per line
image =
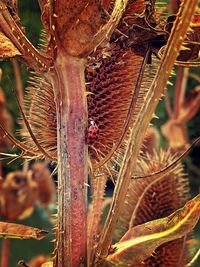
x: 5, y: 246
x: 155, y: 92
x: 5, y: 252
x: 70, y: 97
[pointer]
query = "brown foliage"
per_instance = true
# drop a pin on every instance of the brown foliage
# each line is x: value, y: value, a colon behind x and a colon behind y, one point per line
x: 19, y: 193
x: 38, y: 261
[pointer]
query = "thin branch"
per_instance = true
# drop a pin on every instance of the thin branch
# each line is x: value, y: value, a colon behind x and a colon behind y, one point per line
x: 26, y: 149
x: 179, y: 91
x: 18, y: 80
x: 169, y: 168
x: 40, y: 148
x: 168, y: 104
x: 36, y: 59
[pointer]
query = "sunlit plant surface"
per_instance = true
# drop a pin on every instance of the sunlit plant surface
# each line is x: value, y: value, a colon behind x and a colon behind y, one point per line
x: 79, y: 89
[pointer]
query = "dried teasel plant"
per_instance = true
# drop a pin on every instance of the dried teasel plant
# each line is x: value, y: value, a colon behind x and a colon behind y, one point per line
x: 109, y: 62
x: 154, y: 198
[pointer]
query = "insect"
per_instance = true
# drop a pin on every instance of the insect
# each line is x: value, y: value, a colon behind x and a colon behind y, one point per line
x: 92, y: 133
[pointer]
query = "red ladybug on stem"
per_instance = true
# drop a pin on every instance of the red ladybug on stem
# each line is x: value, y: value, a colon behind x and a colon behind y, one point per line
x: 92, y: 133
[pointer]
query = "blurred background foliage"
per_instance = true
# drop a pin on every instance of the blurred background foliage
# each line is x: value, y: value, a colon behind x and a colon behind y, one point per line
x: 26, y: 249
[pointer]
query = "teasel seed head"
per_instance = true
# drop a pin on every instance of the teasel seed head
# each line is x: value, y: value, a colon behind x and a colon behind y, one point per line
x: 155, y: 197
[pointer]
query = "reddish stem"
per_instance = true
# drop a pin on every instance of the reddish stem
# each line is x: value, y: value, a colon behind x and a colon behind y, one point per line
x: 18, y: 82
x: 180, y: 88
x: 95, y: 216
x: 168, y: 104
x: 5, y: 252
x: 70, y: 97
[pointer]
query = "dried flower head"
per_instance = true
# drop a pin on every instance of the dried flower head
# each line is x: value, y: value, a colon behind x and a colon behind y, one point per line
x: 153, y: 198
x: 19, y: 193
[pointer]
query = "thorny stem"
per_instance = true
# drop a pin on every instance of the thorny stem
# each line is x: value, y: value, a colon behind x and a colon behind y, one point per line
x: 9, y: 27
x: 70, y: 97
x: 176, y: 38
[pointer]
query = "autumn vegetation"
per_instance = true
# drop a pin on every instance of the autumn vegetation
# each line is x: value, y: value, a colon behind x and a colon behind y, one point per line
x: 87, y: 123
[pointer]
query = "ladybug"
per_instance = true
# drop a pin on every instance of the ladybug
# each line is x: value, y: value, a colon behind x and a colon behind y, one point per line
x: 92, y: 133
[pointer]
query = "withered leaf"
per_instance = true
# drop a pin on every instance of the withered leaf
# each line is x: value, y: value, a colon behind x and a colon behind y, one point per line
x: 7, y: 49
x: 37, y: 261
x: 18, y: 231
x: 140, y: 241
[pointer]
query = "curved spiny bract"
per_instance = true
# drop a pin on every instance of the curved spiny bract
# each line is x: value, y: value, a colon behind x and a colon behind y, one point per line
x: 156, y: 197
x: 41, y: 114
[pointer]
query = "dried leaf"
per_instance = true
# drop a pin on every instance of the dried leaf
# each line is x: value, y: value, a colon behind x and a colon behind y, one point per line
x: 18, y: 231
x: 7, y: 49
x: 38, y: 261
x: 140, y: 242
